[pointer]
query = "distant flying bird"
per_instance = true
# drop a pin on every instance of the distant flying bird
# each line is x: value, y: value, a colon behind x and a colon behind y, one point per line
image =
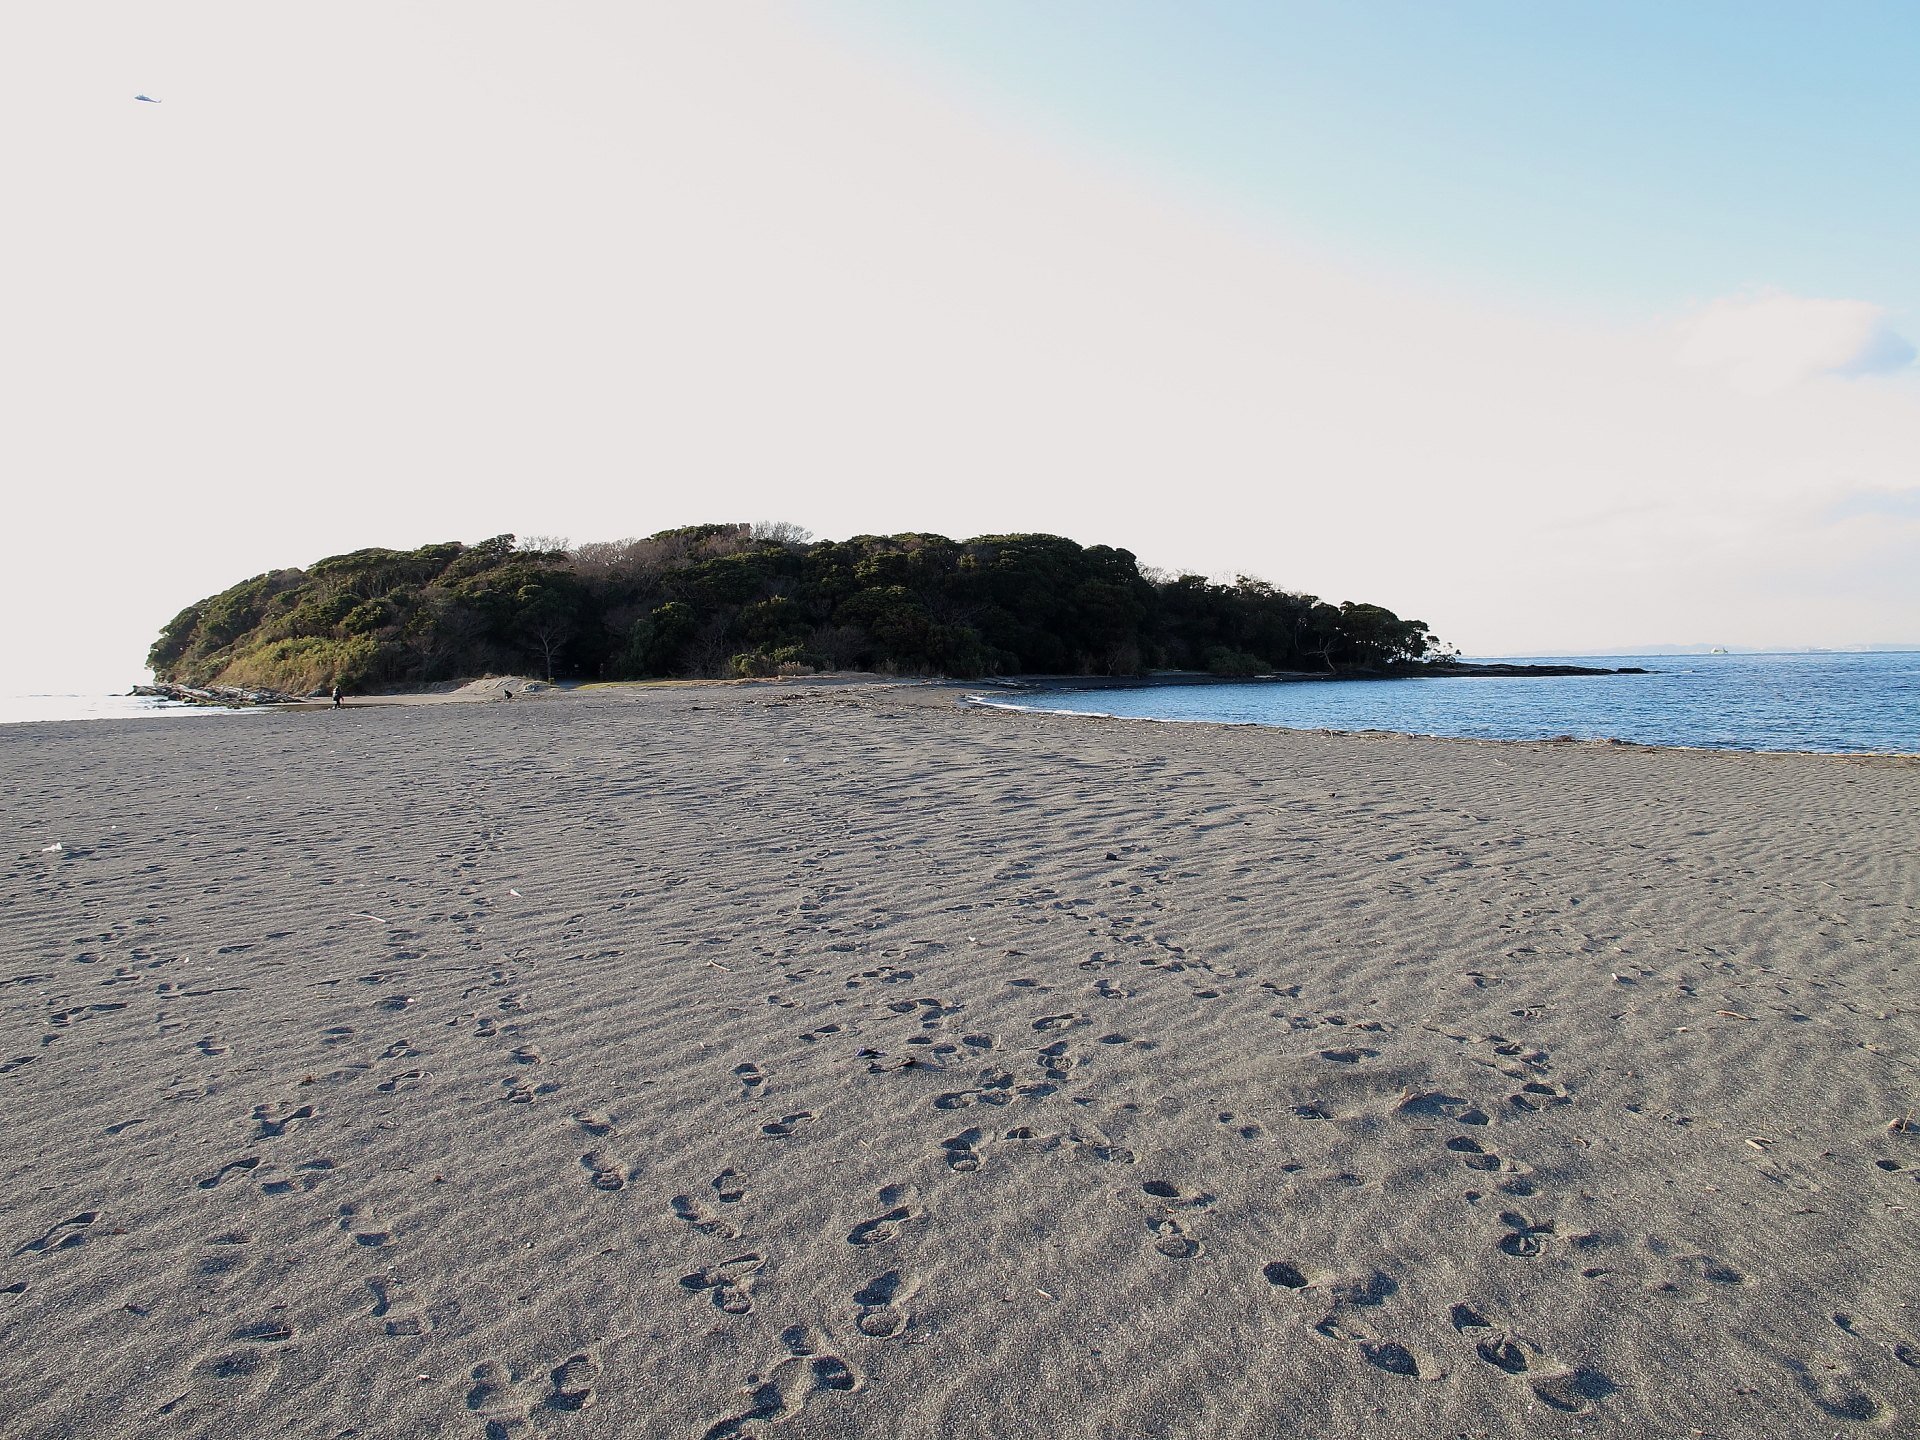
x: 148, y: 98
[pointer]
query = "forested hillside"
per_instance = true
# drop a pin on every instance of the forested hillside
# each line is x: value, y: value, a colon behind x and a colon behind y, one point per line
x: 717, y: 600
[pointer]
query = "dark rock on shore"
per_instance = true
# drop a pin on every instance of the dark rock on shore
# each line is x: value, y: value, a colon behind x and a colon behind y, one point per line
x: 228, y: 695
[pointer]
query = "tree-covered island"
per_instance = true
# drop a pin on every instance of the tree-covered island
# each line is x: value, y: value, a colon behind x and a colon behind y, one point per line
x: 744, y: 600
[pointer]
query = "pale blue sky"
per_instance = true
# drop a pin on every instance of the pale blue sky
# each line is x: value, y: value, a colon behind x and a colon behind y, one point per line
x: 1629, y: 157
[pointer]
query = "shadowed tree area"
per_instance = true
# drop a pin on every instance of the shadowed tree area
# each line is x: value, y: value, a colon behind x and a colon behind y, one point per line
x: 732, y: 600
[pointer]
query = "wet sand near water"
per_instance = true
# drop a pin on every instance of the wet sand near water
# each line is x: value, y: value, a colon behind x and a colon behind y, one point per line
x: 787, y: 1062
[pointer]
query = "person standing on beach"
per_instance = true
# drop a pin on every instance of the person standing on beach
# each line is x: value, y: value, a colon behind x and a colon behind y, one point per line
x: 336, y: 697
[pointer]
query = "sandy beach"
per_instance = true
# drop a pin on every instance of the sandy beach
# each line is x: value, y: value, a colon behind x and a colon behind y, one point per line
x: 803, y: 1062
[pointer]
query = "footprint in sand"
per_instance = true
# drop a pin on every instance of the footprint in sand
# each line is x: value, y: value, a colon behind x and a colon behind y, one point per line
x: 316, y: 1171
x: 1540, y: 1095
x: 212, y: 1045
x: 1518, y: 1059
x: 397, y: 1306
x: 729, y: 1187
x: 220, y: 1382
x: 522, y: 1092
x: 1054, y: 1061
x: 394, y: 1082
x: 353, y: 1223
x: 752, y: 1082
x: 66, y: 1235
x: 786, y: 1125
x: 595, y: 1122
x: 880, y: 1300
x: 1172, y: 1197
x: 1172, y: 1239
x: 1499, y: 1346
x: 787, y: 1389
x: 728, y: 1282
x: 687, y: 1210
x: 606, y: 1173
x: 496, y: 1396
x: 1380, y: 1354
x: 1556, y: 1384
x: 1285, y: 1275
x: 279, y: 1119
x: 1439, y: 1104
x: 1692, y: 1270
x: 995, y: 1087
x: 1476, y: 1156
x: 1527, y: 1239
x: 1842, y: 1396
x: 887, y: 1225
x: 1366, y: 1291
x: 507, y: 1404
x: 252, y: 1162
x: 962, y: 1152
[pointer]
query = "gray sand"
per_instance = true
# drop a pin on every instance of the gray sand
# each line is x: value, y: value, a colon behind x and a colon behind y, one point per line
x: 499, y: 1070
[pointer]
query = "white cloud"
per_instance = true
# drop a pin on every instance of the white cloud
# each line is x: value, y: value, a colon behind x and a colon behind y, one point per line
x: 1767, y: 342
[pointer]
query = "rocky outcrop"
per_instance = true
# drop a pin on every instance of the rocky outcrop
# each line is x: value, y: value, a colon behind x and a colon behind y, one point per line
x: 231, y: 696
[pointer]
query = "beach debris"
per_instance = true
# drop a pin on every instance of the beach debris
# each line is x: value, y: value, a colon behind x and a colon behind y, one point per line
x: 1736, y: 1015
x: 516, y: 894
x: 52, y: 849
x: 363, y: 915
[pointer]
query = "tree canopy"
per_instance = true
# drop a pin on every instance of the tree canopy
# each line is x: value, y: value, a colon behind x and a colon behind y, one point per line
x: 716, y: 600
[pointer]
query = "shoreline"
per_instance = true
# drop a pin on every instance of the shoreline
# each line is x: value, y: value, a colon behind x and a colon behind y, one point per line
x: 999, y: 698
x: 1557, y: 741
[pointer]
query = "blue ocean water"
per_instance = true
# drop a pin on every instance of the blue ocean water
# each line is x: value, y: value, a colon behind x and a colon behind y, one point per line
x: 1833, y: 703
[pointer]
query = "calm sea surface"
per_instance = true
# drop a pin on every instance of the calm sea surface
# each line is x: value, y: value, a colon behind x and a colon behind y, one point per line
x: 1831, y: 703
